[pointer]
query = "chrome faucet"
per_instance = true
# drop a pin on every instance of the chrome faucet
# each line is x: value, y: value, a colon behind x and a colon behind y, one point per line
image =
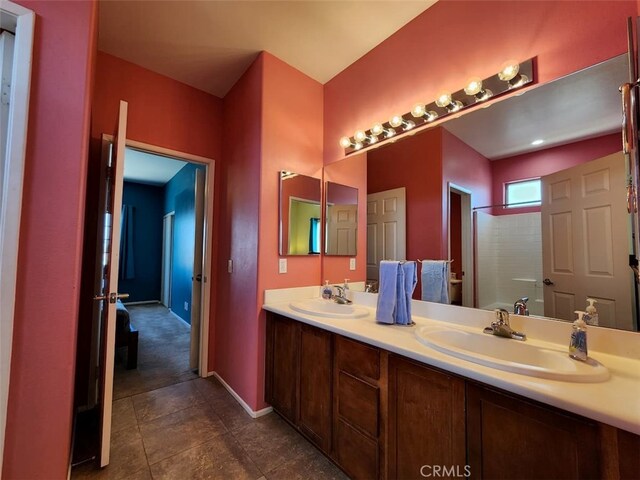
x: 341, y: 296
x: 520, y: 307
x: 501, y: 327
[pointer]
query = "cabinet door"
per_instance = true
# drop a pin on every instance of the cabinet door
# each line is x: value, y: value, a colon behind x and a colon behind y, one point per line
x: 315, y: 385
x: 426, y: 421
x: 512, y: 438
x: 283, y: 337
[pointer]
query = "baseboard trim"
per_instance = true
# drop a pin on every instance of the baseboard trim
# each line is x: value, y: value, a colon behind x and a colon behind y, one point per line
x: 143, y: 302
x: 179, y: 317
x: 253, y: 413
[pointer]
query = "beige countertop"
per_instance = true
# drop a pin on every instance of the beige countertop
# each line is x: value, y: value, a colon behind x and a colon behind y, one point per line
x: 615, y: 401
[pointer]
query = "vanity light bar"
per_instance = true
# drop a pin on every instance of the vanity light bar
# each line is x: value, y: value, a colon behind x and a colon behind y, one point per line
x: 512, y: 76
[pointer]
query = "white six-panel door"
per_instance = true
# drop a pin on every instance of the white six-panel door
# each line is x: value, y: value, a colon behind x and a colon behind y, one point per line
x: 585, y: 242
x: 386, y: 228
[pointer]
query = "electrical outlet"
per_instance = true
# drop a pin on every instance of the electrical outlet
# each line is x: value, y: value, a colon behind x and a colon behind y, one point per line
x: 186, y: 306
x: 282, y: 265
x: 352, y: 264
x: 230, y: 266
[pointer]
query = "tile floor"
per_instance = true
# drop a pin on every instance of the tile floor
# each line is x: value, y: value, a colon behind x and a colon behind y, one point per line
x: 196, y: 429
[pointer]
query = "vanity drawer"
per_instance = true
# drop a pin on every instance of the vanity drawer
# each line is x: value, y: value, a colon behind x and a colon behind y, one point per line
x: 358, y: 403
x: 357, y: 358
x: 356, y: 453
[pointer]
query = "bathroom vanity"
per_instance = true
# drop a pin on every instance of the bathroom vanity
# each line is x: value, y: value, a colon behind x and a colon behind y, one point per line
x: 382, y: 405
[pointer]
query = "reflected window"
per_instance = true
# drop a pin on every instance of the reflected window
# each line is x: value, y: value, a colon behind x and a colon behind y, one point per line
x: 526, y: 193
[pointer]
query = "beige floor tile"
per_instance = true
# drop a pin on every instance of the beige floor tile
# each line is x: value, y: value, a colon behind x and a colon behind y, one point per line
x: 166, y: 400
x: 270, y: 442
x: 211, y: 389
x: 123, y: 415
x: 230, y: 411
x: 174, y: 433
x: 307, y: 466
x: 128, y: 459
x: 221, y: 458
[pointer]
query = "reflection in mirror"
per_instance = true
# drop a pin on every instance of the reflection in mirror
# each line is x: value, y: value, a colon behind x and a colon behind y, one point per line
x: 342, y: 219
x: 561, y: 133
x: 300, y: 213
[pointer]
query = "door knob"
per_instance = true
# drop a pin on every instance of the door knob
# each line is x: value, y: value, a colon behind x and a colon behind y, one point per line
x: 112, y: 297
x: 546, y: 281
x: 198, y: 277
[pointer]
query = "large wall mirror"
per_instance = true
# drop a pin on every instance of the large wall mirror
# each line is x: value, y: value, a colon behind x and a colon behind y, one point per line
x: 300, y: 214
x: 448, y: 185
x: 341, y: 219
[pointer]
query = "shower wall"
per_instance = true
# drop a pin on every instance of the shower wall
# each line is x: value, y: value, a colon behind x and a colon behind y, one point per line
x: 509, y: 260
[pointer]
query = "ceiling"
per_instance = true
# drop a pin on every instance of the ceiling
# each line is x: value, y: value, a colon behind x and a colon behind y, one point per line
x: 142, y: 167
x: 583, y: 105
x: 209, y: 44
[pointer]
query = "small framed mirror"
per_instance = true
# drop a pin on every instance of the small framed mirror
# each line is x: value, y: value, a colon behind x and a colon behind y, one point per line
x: 341, y: 219
x: 300, y: 214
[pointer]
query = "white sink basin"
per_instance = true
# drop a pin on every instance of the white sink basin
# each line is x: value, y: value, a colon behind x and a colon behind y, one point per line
x: 328, y: 308
x: 512, y: 355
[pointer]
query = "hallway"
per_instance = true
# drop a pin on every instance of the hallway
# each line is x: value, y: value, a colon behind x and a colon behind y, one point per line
x: 163, y: 352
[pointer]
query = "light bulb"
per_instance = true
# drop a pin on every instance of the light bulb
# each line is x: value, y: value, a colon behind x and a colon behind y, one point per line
x: 509, y: 70
x: 358, y: 145
x: 345, y: 142
x: 430, y: 116
x: 444, y: 99
x: 418, y: 110
x: 396, y: 121
x: 377, y: 129
x: 537, y: 142
x: 359, y: 136
x: 474, y: 86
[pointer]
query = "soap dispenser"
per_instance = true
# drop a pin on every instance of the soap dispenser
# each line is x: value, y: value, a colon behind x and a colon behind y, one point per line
x: 591, y: 317
x: 327, y: 291
x: 578, y: 344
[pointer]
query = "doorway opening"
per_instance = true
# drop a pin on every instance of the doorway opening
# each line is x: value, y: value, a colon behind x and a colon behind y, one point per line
x: 460, y: 246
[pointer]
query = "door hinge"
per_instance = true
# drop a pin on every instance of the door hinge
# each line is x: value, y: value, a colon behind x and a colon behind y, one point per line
x: 5, y: 93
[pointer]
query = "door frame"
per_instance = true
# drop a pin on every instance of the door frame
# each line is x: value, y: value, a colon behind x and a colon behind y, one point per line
x: 467, y: 239
x: 22, y: 20
x: 208, y: 235
x: 167, y: 221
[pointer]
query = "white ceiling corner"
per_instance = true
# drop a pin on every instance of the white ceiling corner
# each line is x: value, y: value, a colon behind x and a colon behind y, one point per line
x: 208, y: 44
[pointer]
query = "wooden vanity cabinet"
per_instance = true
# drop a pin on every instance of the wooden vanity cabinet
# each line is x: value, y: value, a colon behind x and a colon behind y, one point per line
x: 359, y: 384
x: 426, y: 416
x: 283, y: 365
x: 315, y: 386
x: 509, y: 437
x: 298, y: 376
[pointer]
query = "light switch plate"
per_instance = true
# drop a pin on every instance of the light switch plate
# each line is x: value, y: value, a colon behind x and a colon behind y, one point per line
x: 186, y: 306
x: 352, y: 264
x: 282, y: 265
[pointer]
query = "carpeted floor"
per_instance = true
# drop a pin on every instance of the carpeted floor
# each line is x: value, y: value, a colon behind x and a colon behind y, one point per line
x: 163, y: 352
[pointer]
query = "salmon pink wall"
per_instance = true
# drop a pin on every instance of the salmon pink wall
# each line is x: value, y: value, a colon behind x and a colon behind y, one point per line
x: 39, y: 416
x: 236, y: 321
x: 544, y: 162
x: 162, y: 112
x: 416, y: 164
x: 291, y: 140
x: 354, y: 174
x: 466, y: 168
x: 457, y: 39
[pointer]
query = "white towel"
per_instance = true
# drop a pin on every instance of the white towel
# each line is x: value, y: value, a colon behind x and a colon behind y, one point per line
x: 435, y: 281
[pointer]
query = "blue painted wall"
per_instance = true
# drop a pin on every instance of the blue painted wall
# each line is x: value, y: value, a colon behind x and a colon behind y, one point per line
x: 179, y: 198
x: 147, y: 201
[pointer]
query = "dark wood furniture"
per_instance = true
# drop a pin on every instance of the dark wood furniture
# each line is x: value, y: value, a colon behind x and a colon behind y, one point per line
x: 379, y: 415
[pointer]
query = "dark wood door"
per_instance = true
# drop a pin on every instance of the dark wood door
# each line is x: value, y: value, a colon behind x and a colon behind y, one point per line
x: 283, y: 339
x: 509, y: 437
x: 426, y: 422
x: 315, y: 385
